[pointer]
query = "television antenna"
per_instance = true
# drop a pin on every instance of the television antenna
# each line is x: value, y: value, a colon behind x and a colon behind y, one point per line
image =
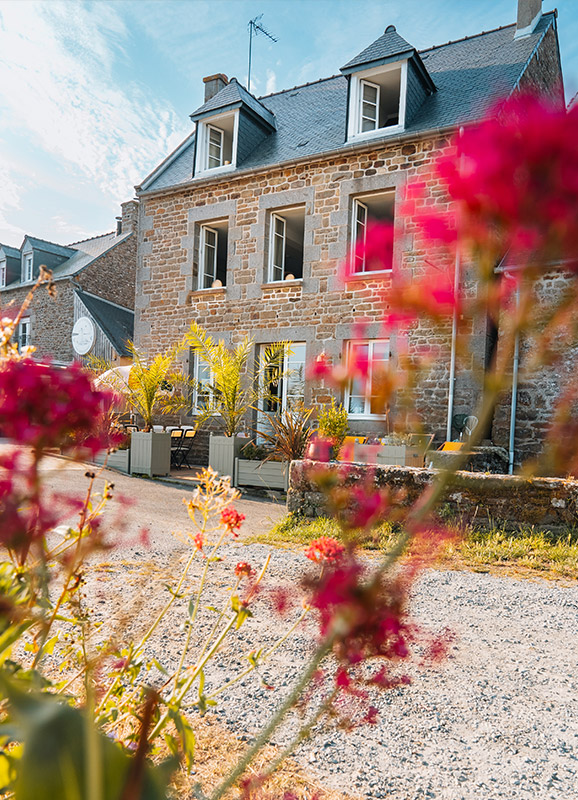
x: 255, y: 27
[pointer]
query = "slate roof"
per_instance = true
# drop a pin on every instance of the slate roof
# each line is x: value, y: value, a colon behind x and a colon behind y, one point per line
x: 49, y: 247
x: 10, y: 252
x: 311, y: 119
x: 116, y: 322
x: 389, y: 44
x: 80, y: 254
x: 232, y: 96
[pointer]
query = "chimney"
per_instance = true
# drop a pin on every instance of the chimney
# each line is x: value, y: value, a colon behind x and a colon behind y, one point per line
x: 214, y: 84
x: 129, y: 219
x: 529, y: 14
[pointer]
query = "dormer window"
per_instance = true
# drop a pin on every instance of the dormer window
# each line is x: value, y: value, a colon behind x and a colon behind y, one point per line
x: 2, y: 273
x: 217, y: 143
x: 28, y: 270
x: 377, y: 101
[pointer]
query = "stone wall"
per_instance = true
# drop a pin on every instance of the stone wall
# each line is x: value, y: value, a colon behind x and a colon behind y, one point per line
x: 486, y: 500
x: 112, y: 276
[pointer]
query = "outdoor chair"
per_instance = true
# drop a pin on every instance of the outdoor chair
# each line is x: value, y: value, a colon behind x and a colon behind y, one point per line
x: 184, y: 452
x: 177, y: 439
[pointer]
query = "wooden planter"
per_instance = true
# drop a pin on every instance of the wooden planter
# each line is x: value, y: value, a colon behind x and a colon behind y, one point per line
x: 118, y: 459
x: 388, y: 455
x: 265, y: 474
x: 223, y: 450
x: 150, y: 453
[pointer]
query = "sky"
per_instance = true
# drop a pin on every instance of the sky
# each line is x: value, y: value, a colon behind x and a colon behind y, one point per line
x: 93, y: 95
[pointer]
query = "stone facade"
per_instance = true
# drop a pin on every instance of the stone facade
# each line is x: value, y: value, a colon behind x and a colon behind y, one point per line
x: 323, y: 308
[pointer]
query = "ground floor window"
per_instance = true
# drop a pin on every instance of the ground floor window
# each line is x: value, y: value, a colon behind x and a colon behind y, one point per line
x: 203, y: 390
x: 284, y: 377
x: 362, y: 397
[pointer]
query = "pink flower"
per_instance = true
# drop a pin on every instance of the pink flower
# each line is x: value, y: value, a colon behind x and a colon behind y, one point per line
x: 232, y: 520
x: 324, y: 550
x: 243, y: 569
x: 375, y: 253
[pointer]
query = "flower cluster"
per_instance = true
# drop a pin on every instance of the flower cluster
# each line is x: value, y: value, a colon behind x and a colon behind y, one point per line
x: 244, y: 570
x: 325, y: 550
x: 232, y: 520
x: 43, y: 406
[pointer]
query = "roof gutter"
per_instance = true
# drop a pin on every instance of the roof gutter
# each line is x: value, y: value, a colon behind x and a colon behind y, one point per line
x: 339, y: 151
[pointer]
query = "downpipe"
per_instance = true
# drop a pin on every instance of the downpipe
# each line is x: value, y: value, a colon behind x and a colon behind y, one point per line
x: 511, y: 453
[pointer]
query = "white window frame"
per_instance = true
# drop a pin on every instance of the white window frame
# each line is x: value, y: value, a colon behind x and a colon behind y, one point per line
x: 221, y: 145
x: 27, y: 268
x: 202, y: 155
x: 202, y: 248
x: 355, y: 102
x: 354, y: 257
x: 197, y: 362
x: 285, y: 367
x: 272, y: 235
x: 362, y: 100
x: 366, y: 414
x: 3, y: 270
x: 24, y: 327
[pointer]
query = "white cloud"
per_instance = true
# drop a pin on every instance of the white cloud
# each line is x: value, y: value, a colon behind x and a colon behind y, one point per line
x: 60, y: 89
x: 271, y: 82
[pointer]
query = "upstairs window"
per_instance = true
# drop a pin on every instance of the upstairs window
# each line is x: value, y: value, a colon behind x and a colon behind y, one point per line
x: 286, y: 245
x: 213, y: 256
x: 217, y: 143
x: 377, y: 103
x: 2, y: 274
x: 363, y: 395
x: 368, y: 210
x: 28, y: 271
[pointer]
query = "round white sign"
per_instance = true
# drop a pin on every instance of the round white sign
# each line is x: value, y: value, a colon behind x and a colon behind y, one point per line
x: 83, y: 335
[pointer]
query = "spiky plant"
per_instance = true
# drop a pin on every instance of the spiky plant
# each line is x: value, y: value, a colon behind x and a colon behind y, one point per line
x: 234, y: 389
x: 288, y: 433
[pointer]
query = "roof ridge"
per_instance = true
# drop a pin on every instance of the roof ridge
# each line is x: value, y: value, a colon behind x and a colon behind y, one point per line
x: 46, y: 241
x: 299, y: 86
x: 474, y: 35
x: 89, y: 239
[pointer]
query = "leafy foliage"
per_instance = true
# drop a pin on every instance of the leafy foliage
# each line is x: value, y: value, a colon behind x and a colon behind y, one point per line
x: 333, y: 423
x: 288, y: 433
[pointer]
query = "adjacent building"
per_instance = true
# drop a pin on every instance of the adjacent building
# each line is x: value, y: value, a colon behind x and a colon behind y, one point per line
x: 92, y: 312
x: 244, y: 226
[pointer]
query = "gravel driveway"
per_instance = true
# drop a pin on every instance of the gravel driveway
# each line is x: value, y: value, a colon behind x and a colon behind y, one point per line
x: 499, y: 719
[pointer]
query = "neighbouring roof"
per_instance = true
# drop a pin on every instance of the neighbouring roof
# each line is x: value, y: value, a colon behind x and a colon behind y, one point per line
x: 10, y: 252
x: 116, y: 322
x: 233, y: 95
x: 79, y: 255
x: 311, y: 119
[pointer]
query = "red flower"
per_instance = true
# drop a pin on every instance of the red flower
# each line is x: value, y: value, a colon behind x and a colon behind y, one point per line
x: 243, y: 569
x: 199, y: 541
x: 325, y: 549
x: 232, y: 520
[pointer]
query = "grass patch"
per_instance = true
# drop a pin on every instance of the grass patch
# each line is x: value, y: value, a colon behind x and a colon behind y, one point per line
x: 523, y: 553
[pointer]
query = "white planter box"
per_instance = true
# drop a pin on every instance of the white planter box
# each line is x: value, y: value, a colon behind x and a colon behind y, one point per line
x: 388, y: 455
x: 267, y: 475
x: 223, y: 450
x: 119, y: 459
x: 150, y: 453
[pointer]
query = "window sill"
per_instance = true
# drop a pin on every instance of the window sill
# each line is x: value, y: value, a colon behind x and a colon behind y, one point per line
x: 206, y: 173
x: 282, y: 284
x: 366, y: 417
x: 376, y: 274
x: 196, y: 294
x: 392, y: 130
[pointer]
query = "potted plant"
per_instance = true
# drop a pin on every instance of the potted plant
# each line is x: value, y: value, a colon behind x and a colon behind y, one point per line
x: 333, y: 426
x: 153, y: 388
x: 232, y: 392
x: 287, y: 440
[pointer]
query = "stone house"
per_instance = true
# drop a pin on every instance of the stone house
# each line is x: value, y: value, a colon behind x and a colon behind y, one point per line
x: 244, y: 226
x: 93, y: 310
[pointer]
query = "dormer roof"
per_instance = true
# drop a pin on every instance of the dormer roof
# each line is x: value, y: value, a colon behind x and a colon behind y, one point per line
x: 231, y: 97
x: 9, y: 252
x: 389, y: 48
x: 48, y: 247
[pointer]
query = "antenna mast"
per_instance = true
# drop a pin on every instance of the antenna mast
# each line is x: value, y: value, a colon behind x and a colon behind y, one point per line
x: 255, y: 27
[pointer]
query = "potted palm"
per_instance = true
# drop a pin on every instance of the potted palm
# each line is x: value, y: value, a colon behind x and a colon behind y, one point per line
x: 232, y: 391
x: 287, y: 438
x: 154, y: 387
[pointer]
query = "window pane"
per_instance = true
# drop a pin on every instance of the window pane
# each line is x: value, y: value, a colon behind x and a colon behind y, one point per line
x: 370, y: 93
x: 295, y: 367
x: 215, y: 148
x: 369, y: 111
x: 368, y: 124
x: 356, y: 405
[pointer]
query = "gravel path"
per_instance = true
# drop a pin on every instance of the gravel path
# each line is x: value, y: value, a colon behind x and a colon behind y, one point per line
x: 499, y: 719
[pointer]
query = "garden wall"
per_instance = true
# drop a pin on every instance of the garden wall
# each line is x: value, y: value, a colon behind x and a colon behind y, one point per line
x: 507, y: 500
